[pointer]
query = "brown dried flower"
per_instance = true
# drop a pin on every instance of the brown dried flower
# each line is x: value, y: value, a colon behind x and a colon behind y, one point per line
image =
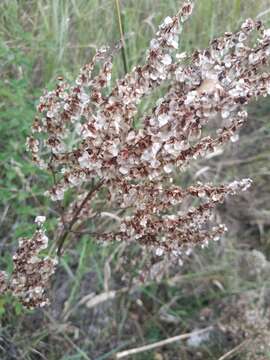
x: 84, y: 134
x: 137, y: 166
x: 29, y: 281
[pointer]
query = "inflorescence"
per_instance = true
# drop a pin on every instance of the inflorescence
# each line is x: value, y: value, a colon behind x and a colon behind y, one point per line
x: 85, y: 134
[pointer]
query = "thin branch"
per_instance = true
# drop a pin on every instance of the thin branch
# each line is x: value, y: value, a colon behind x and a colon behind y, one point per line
x: 234, y: 350
x: 263, y: 13
x: 126, y: 353
x: 76, y: 215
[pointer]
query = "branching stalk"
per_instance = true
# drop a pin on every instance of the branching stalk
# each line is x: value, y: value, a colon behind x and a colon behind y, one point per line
x: 63, y: 237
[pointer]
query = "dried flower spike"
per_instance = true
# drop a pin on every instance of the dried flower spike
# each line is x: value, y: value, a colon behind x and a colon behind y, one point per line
x: 84, y: 135
x: 137, y: 166
x: 29, y: 281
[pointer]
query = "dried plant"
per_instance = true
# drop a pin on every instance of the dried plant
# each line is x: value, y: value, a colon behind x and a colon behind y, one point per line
x: 31, y: 274
x: 85, y: 136
x: 246, y: 317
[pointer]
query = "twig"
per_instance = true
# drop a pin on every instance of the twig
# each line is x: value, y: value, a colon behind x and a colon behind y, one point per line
x: 263, y: 13
x: 123, y: 48
x: 234, y: 350
x: 126, y: 353
x: 91, y: 300
x: 76, y: 215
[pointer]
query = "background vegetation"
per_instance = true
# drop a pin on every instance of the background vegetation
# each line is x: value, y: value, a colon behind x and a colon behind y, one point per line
x: 41, y: 39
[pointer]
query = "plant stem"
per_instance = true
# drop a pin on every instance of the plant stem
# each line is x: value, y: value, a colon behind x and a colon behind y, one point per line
x: 234, y: 350
x: 155, y: 345
x: 76, y: 215
x: 120, y: 25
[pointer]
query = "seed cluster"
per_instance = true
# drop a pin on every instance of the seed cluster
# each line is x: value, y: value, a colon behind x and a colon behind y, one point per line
x: 85, y: 133
x: 29, y: 281
x: 137, y: 165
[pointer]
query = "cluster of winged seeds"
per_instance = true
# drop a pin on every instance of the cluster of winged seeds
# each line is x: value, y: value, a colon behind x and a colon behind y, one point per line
x: 31, y: 273
x: 85, y: 136
x: 86, y: 132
